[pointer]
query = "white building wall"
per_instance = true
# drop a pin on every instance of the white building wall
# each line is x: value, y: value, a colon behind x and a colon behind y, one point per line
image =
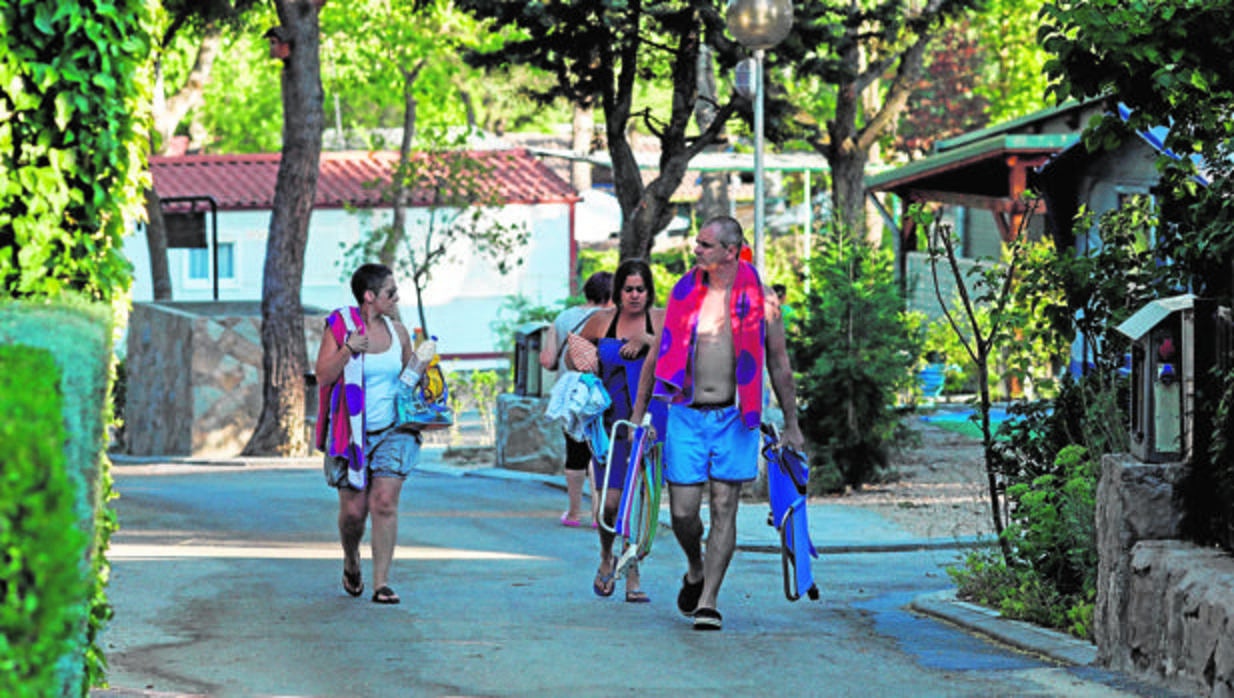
x: 462, y: 300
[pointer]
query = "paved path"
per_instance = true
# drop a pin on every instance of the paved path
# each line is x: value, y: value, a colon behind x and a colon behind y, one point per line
x: 226, y: 583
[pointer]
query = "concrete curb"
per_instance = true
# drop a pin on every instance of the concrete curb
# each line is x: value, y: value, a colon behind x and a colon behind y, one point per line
x: 908, y: 545
x: 1026, y: 637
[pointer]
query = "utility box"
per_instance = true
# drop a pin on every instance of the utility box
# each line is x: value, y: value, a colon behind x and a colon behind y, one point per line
x: 1172, y: 345
x: 528, y: 374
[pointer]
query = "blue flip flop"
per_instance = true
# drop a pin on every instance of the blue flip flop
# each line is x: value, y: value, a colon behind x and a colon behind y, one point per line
x: 605, y: 584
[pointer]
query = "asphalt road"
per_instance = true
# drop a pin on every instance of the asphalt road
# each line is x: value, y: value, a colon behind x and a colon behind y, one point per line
x: 226, y: 582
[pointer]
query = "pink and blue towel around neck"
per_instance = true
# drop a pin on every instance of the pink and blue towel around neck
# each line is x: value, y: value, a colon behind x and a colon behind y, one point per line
x: 340, y: 405
x: 675, y: 369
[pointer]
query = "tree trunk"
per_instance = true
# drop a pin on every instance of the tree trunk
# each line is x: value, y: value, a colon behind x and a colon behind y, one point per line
x: 169, y: 112
x: 581, y: 127
x: 714, y: 198
x: 848, y: 168
x: 647, y: 210
x: 398, y: 222
x: 856, y: 129
x: 156, y: 243
x: 280, y: 428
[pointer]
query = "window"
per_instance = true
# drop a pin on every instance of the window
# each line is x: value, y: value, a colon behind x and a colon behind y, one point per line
x: 199, y: 262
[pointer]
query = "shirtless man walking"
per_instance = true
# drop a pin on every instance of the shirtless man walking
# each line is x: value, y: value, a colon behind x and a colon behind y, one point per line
x: 720, y: 326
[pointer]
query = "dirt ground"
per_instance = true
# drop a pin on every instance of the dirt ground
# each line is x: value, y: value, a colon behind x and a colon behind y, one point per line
x: 935, y: 489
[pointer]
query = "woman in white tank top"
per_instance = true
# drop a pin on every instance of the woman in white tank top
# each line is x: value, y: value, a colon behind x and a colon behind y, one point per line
x: 368, y: 484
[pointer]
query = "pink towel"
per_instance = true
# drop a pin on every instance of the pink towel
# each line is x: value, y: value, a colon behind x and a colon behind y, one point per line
x: 341, y: 403
x: 674, y: 368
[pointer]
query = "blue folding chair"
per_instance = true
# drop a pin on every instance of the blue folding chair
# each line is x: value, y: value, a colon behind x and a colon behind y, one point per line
x: 788, y: 473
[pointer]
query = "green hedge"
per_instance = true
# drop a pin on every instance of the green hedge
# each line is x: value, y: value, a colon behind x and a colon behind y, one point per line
x: 43, y: 586
x: 79, y: 339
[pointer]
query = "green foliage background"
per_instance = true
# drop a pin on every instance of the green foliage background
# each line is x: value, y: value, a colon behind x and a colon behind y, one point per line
x: 1047, y: 457
x: 73, y: 103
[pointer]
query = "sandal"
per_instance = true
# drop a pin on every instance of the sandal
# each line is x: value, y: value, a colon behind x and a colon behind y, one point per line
x: 707, y: 619
x: 353, y: 583
x: 385, y: 594
x: 687, y: 598
x: 605, y: 584
x: 637, y: 596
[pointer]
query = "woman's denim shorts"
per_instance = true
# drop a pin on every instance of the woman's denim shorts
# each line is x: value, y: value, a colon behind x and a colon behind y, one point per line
x: 388, y: 453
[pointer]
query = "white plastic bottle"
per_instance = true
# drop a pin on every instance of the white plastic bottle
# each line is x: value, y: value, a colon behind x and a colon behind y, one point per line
x: 423, y: 354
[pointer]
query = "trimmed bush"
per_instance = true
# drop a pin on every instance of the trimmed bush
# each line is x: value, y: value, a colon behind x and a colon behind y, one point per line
x: 43, y: 585
x: 82, y: 348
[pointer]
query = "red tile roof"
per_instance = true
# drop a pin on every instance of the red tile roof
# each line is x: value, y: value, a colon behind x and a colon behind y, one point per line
x: 346, y: 178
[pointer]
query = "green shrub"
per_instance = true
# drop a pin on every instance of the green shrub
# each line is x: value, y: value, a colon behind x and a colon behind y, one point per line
x: 43, y: 587
x: 854, y: 348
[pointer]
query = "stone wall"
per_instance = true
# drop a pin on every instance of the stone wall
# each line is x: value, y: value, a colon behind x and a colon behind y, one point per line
x: 526, y: 440
x: 1165, y: 607
x: 194, y: 376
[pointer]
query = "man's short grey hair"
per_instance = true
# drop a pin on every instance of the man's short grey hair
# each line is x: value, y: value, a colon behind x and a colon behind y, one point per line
x: 728, y: 231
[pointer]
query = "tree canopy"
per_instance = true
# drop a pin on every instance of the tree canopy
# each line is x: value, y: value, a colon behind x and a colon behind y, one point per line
x: 863, y: 61
x: 1168, y: 63
x: 599, y: 53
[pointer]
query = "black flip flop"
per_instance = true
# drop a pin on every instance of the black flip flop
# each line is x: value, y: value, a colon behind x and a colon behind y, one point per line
x: 353, y: 583
x: 385, y: 594
x: 687, y: 598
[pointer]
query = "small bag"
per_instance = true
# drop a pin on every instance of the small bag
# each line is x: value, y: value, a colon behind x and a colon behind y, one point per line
x: 583, y: 354
x: 423, y: 404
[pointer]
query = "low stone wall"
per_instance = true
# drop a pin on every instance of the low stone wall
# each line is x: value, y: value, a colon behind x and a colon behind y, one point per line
x: 194, y: 376
x: 1165, y: 607
x: 526, y: 440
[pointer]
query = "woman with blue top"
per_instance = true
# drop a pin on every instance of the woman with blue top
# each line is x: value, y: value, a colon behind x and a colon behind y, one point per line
x: 362, y: 352
x: 623, y: 336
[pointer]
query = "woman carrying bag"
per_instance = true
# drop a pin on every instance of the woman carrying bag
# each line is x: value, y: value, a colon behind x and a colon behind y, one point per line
x: 362, y: 352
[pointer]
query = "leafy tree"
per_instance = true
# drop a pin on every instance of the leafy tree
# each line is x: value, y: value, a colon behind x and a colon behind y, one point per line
x: 242, y: 111
x: 458, y: 194
x: 1166, y: 61
x: 861, y: 61
x: 361, y: 43
x: 1167, y: 64
x: 854, y: 350
x: 280, y: 427
x: 1012, y: 80
x: 73, y: 99
x: 199, y: 24
x: 945, y: 99
x: 189, y: 28
x: 410, y: 49
x: 600, y: 53
x: 1047, y: 456
x: 984, y: 68
x: 986, y: 319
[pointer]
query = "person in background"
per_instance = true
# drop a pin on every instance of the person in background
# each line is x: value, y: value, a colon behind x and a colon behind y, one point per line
x: 597, y: 291
x: 362, y: 352
x: 788, y: 312
x: 720, y: 326
x: 623, y: 336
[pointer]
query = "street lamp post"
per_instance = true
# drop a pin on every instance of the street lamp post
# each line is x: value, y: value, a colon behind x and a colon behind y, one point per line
x: 759, y: 25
